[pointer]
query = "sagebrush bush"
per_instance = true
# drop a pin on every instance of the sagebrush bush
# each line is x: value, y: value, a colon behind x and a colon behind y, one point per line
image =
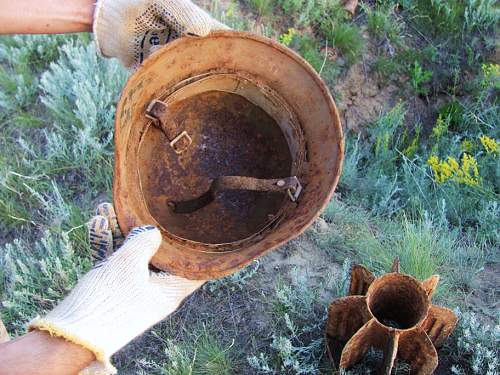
x: 80, y: 91
x: 234, y: 282
x: 299, y: 312
x: 36, y: 275
x: 474, y: 346
x: 23, y: 58
x: 73, y: 155
x: 394, y: 173
x: 179, y: 360
x: 50, y: 175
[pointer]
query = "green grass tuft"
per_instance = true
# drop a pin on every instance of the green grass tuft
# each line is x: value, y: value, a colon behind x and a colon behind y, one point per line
x: 263, y: 8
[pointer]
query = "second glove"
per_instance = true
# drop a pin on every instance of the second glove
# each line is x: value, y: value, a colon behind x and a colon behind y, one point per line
x: 131, y: 30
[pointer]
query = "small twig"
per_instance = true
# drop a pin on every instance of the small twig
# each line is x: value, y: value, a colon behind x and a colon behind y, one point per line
x: 74, y: 228
x: 326, y: 57
x: 37, y: 177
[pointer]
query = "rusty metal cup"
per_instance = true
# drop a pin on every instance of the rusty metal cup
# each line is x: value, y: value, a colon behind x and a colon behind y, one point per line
x: 231, y: 144
x: 397, y: 301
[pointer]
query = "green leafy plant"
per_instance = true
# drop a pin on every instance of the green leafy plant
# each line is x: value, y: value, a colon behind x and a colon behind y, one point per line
x: 262, y: 7
x: 382, y: 23
x: 418, y: 78
x: 292, y: 7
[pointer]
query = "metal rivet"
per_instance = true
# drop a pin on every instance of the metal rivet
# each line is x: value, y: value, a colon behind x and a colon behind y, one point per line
x: 280, y: 183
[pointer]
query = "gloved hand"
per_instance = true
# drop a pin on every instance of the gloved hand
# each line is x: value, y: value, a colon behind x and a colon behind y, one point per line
x: 117, y: 300
x: 131, y: 30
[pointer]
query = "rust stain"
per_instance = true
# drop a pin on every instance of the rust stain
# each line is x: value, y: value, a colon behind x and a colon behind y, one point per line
x: 392, y: 313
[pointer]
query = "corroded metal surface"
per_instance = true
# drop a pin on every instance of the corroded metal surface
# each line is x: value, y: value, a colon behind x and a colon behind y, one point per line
x: 251, y: 108
x: 218, y: 185
x: 392, y: 314
x: 231, y: 137
x: 361, y: 280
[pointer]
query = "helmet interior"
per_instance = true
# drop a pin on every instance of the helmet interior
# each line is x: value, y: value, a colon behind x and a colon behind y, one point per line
x: 232, y: 135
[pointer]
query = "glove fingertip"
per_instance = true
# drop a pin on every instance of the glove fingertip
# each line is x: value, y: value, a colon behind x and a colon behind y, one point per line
x: 148, y: 233
x: 144, y: 240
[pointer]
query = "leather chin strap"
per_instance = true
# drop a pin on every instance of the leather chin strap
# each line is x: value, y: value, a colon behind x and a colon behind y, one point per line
x: 289, y: 184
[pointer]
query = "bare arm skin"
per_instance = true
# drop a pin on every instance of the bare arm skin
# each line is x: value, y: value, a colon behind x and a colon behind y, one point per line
x: 38, y: 353
x: 45, y: 16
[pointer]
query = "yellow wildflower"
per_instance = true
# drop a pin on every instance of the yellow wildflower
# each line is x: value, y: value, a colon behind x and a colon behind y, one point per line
x: 489, y: 144
x: 491, y: 73
x: 433, y: 160
x: 467, y: 146
x: 441, y: 126
x: 467, y: 172
x: 441, y: 169
x: 455, y: 167
x: 287, y: 37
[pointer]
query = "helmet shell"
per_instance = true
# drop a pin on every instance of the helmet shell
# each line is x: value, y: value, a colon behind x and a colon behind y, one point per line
x: 232, y: 91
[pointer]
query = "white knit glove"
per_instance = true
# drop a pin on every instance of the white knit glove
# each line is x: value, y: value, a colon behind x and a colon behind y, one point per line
x: 117, y: 300
x: 131, y: 30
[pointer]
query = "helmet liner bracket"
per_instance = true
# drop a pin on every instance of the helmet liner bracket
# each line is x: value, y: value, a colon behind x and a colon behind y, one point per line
x: 289, y: 184
x: 158, y: 112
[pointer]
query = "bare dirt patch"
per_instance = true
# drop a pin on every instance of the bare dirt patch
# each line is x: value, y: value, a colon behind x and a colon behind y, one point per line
x: 362, y: 98
x: 484, y: 298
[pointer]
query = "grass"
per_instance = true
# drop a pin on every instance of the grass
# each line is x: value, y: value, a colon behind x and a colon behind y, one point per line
x: 261, y: 7
x: 382, y: 22
x: 425, y: 248
x: 418, y: 78
x: 348, y: 40
x: 405, y: 189
x: 204, y: 355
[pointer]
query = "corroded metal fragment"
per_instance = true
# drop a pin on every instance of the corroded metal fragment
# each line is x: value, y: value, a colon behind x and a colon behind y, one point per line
x: 361, y: 280
x: 392, y: 314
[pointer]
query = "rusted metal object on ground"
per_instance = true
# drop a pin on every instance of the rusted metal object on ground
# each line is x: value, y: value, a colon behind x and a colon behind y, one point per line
x: 231, y: 144
x: 393, y: 314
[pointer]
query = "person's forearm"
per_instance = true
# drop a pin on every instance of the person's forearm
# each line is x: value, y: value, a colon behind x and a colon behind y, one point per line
x: 38, y: 353
x: 45, y: 16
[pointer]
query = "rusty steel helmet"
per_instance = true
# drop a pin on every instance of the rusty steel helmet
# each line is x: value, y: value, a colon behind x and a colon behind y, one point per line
x: 230, y: 144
